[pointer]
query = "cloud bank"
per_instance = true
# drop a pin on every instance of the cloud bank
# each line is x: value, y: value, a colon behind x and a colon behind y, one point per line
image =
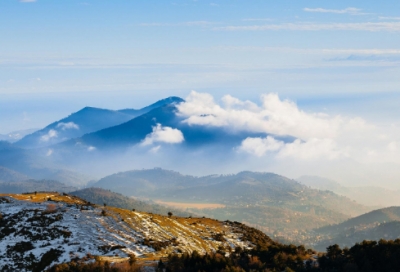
x: 319, y: 135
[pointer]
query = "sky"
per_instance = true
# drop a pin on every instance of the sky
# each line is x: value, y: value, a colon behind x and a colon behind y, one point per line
x: 336, y: 57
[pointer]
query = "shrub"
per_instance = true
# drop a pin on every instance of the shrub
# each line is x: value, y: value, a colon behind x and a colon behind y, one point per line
x: 51, y: 208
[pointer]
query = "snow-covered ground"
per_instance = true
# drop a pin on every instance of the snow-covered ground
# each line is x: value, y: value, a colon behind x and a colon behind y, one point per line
x: 28, y: 233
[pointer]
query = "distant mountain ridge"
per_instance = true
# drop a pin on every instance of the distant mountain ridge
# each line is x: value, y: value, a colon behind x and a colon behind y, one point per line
x: 86, y: 120
x: 251, y: 188
x: 16, y: 135
x: 34, y: 165
x: 366, y: 195
x: 135, y: 131
x: 11, y: 175
x: 275, y: 204
x: 374, y: 225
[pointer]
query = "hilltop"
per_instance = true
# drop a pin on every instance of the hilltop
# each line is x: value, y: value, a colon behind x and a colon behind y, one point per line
x: 38, y: 230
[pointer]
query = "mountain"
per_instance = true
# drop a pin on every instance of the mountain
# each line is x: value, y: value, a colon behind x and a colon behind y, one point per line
x: 255, y: 188
x: 277, y: 205
x: 166, y: 101
x: 16, y: 135
x: 19, y: 187
x: 100, y: 196
x: 38, y: 230
x: 135, y: 131
x: 375, y: 225
x: 11, y: 175
x: 85, y: 121
x: 34, y: 165
x: 366, y: 195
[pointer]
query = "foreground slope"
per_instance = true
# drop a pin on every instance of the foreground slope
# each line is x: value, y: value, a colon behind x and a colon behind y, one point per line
x: 44, y: 229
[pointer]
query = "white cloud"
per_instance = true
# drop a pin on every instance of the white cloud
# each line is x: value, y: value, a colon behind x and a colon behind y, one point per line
x: 190, y: 23
x: 257, y: 19
x: 155, y: 149
x: 320, y: 136
x: 388, y: 18
x: 275, y: 116
x: 27, y: 1
x: 367, y: 26
x: 310, y: 150
x: 162, y: 134
x: 261, y: 146
x: 51, y: 134
x: 352, y: 11
x: 49, y: 152
x: 69, y: 125
x: 91, y: 148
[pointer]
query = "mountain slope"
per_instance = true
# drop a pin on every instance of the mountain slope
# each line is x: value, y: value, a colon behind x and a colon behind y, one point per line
x: 16, y: 135
x: 11, y: 175
x: 366, y: 195
x: 375, y: 225
x: 277, y: 205
x: 19, y: 187
x: 135, y: 131
x: 100, y: 196
x: 166, y: 101
x: 376, y: 216
x: 30, y: 163
x: 85, y: 121
x: 68, y: 227
x: 243, y: 188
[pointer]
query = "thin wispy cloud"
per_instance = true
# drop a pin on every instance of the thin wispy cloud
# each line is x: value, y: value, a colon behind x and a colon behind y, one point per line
x: 191, y: 23
x: 388, y: 18
x: 351, y: 11
x: 257, y: 20
x: 328, y: 51
x: 368, y: 26
x: 27, y: 1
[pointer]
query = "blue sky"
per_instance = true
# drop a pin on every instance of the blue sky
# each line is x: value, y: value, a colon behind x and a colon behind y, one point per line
x: 56, y: 56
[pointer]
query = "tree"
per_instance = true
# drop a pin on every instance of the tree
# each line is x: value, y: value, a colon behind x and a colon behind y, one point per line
x: 105, y: 204
x: 1, y: 216
x: 170, y: 214
x: 132, y: 259
x: 103, y: 213
x: 133, y: 210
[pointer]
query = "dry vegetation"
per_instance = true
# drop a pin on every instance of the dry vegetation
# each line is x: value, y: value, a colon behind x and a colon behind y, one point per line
x: 120, y: 233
